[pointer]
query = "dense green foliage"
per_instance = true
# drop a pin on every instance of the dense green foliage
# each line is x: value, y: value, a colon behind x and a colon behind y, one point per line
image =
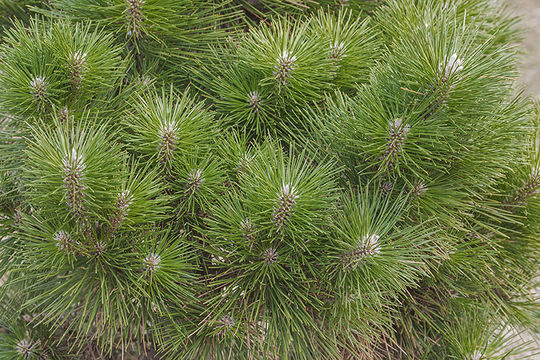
x: 263, y: 179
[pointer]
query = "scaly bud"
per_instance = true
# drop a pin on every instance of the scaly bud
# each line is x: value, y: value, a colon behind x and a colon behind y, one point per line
x: 394, y: 147
x: 337, y: 52
x: 244, y: 162
x: 449, y: 68
x: 73, y: 176
x: 386, y: 187
x: 100, y: 247
x: 135, y: 17
x: 17, y: 216
x: 77, y: 63
x: 167, y: 144
x: 287, y: 200
x: 270, y: 256
x: 194, y: 181
x: 247, y: 229
x: 152, y: 262
x: 254, y: 101
x: 39, y: 88
x: 63, y: 115
x: 226, y: 322
x: 418, y: 189
x: 123, y: 201
x: 528, y: 190
x: 284, y: 67
x: 63, y: 240
x: 25, y: 348
x: 368, y: 246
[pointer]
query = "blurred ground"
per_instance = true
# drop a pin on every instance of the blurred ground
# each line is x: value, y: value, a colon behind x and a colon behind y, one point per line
x: 529, y: 10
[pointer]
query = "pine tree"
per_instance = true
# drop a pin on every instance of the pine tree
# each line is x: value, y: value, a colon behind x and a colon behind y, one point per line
x: 262, y: 179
